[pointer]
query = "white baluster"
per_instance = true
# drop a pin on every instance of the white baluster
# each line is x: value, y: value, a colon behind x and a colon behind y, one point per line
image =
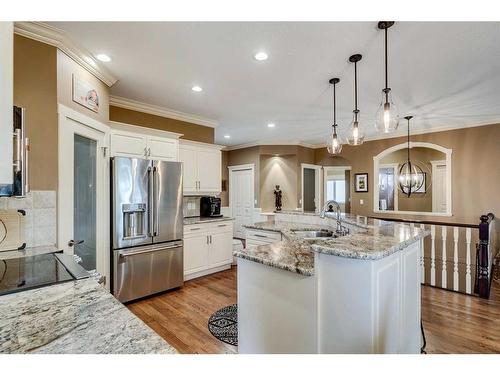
x: 444, y: 273
x: 433, y: 255
x: 422, y: 264
x: 468, y: 277
x: 455, y: 259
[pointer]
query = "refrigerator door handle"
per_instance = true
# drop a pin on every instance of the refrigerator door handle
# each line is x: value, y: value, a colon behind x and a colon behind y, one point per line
x: 150, y: 203
x: 156, y: 211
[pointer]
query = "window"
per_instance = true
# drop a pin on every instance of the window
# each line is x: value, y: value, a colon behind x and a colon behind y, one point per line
x: 335, y: 189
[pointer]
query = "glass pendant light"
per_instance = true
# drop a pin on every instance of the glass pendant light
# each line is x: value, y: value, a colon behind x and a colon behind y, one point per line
x: 334, y: 145
x: 387, y: 117
x: 356, y: 137
x: 410, y: 175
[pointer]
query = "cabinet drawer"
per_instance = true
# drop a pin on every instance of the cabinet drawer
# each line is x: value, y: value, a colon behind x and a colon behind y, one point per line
x: 195, y: 229
x: 262, y: 235
x: 253, y: 243
x: 221, y: 227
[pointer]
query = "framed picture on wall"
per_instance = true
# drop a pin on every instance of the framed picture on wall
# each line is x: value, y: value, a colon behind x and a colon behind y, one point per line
x: 361, y: 182
x: 85, y: 95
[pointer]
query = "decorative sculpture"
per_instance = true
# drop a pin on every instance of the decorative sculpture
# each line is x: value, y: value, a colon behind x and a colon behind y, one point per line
x: 278, y: 195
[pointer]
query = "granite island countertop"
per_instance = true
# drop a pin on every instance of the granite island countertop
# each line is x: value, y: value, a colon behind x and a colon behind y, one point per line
x: 372, y: 240
x: 73, y: 317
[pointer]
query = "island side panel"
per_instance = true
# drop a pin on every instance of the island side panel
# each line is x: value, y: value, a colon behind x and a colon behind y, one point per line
x: 276, y: 310
x: 369, y: 306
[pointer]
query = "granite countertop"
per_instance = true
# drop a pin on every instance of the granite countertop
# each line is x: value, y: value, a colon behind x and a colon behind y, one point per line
x: 372, y: 240
x: 201, y: 220
x: 74, y: 317
x: 27, y: 252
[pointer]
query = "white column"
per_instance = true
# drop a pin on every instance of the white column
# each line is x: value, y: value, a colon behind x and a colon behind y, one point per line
x: 444, y: 273
x: 455, y: 258
x: 468, y: 278
x: 433, y: 255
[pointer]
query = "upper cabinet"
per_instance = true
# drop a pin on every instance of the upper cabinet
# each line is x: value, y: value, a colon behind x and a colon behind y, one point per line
x: 144, y: 143
x: 6, y: 103
x: 202, y: 167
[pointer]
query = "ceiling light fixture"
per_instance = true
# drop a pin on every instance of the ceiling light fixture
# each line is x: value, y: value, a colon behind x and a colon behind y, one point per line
x: 271, y: 125
x: 261, y: 56
x: 411, y: 176
x: 103, y: 57
x: 356, y: 137
x: 387, y: 117
x: 197, y: 89
x: 227, y: 136
x: 334, y: 145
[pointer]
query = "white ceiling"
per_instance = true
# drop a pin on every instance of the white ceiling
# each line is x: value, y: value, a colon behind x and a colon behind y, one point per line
x: 444, y: 74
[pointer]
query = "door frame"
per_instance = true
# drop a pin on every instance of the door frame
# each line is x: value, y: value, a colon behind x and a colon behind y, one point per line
x: 394, y: 167
x: 236, y: 168
x: 434, y: 165
x: 325, y: 178
x: 318, y: 177
x: 65, y: 190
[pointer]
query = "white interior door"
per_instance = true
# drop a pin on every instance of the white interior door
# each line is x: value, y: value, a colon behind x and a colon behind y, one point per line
x: 439, y: 188
x: 242, y: 196
x: 83, y: 219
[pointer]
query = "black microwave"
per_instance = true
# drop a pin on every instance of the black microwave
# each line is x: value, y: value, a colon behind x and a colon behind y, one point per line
x: 210, y: 207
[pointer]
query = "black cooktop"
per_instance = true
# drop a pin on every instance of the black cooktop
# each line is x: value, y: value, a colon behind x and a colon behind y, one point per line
x: 36, y: 271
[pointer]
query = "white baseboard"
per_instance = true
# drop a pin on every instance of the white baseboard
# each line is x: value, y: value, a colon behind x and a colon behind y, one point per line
x: 207, y: 272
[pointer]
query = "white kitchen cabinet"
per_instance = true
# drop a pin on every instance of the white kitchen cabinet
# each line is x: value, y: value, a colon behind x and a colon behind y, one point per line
x: 144, y: 143
x: 208, y: 248
x: 202, y: 167
x: 256, y: 237
x: 6, y: 103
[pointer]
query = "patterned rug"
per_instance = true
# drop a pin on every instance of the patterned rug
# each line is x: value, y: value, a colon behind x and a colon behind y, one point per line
x: 223, y: 324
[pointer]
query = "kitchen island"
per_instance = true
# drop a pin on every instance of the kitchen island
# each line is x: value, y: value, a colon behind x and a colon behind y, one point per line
x: 358, y: 293
x: 73, y: 317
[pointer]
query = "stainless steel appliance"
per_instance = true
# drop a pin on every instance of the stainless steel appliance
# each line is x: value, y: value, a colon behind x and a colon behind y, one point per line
x: 19, y: 274
x: 20, y: 186
x: 147, y: 227
x: 210, y: 207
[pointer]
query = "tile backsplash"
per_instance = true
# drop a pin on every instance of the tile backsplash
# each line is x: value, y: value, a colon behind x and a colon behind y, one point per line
x: 41, y: 216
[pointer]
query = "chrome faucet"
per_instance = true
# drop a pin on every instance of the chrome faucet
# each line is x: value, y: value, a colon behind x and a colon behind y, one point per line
x: 326, y: 209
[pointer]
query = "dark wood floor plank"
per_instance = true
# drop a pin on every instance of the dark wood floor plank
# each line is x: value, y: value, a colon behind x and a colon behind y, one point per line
x: 453, y: 322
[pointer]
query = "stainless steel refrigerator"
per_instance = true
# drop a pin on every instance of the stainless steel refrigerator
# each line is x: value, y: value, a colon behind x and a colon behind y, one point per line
x: 147, y: 227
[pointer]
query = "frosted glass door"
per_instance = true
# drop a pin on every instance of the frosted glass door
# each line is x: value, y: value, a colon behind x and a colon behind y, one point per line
x: 84, y: 200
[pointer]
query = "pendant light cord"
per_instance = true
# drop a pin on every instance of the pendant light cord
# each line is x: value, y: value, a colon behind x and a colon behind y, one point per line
x: 356, y: 90
x: 386, y: 79
x: 409, y: 141
x: 334, y: 109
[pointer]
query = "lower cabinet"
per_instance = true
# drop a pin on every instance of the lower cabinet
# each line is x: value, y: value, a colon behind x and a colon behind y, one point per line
x: 256, y: 237
x: 208, y: 248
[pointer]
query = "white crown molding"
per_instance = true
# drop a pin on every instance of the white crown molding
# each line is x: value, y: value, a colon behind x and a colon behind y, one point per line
x: 58, y: 38
x: 152, y: 109
x: 187, y: 142
x: 270, y: 143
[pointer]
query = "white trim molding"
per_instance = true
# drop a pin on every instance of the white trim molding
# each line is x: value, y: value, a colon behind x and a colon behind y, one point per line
x: 318, y: 177
x: 58, y: 38
x: 380, y: 156
x: 156, y: 110
x: 188, y: 142
x: 270, y: 143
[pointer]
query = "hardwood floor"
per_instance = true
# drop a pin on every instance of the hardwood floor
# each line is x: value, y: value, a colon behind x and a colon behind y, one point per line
x: 181, y: 316
x: 453, y: 322
x: 458, y: 323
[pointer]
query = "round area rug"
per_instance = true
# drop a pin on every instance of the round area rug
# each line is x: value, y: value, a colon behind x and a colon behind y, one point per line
x: 223, y: 324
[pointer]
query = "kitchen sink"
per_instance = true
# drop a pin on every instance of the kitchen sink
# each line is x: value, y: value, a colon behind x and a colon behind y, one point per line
x: 314, y: 233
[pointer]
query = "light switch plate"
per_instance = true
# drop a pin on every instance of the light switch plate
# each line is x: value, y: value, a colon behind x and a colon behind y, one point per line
x: 361, y: 201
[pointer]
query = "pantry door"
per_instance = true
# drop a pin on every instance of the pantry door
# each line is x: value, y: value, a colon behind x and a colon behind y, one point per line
x: 241, y: 197
x: 83, y: 193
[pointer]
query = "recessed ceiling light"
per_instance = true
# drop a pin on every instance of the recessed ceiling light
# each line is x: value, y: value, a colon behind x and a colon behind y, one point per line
x: 271, y: 125
x: 261, y: 56
x: 103, y: 57
x: 197, y: 89
x: 227, y: 136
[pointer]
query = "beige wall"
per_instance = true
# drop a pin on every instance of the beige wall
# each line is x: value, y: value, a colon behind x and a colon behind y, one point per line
x: 66, y: 67
x: 272, y: 158
x: 35, y: 88
x: 192, y: 132
x: 475, y: 171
